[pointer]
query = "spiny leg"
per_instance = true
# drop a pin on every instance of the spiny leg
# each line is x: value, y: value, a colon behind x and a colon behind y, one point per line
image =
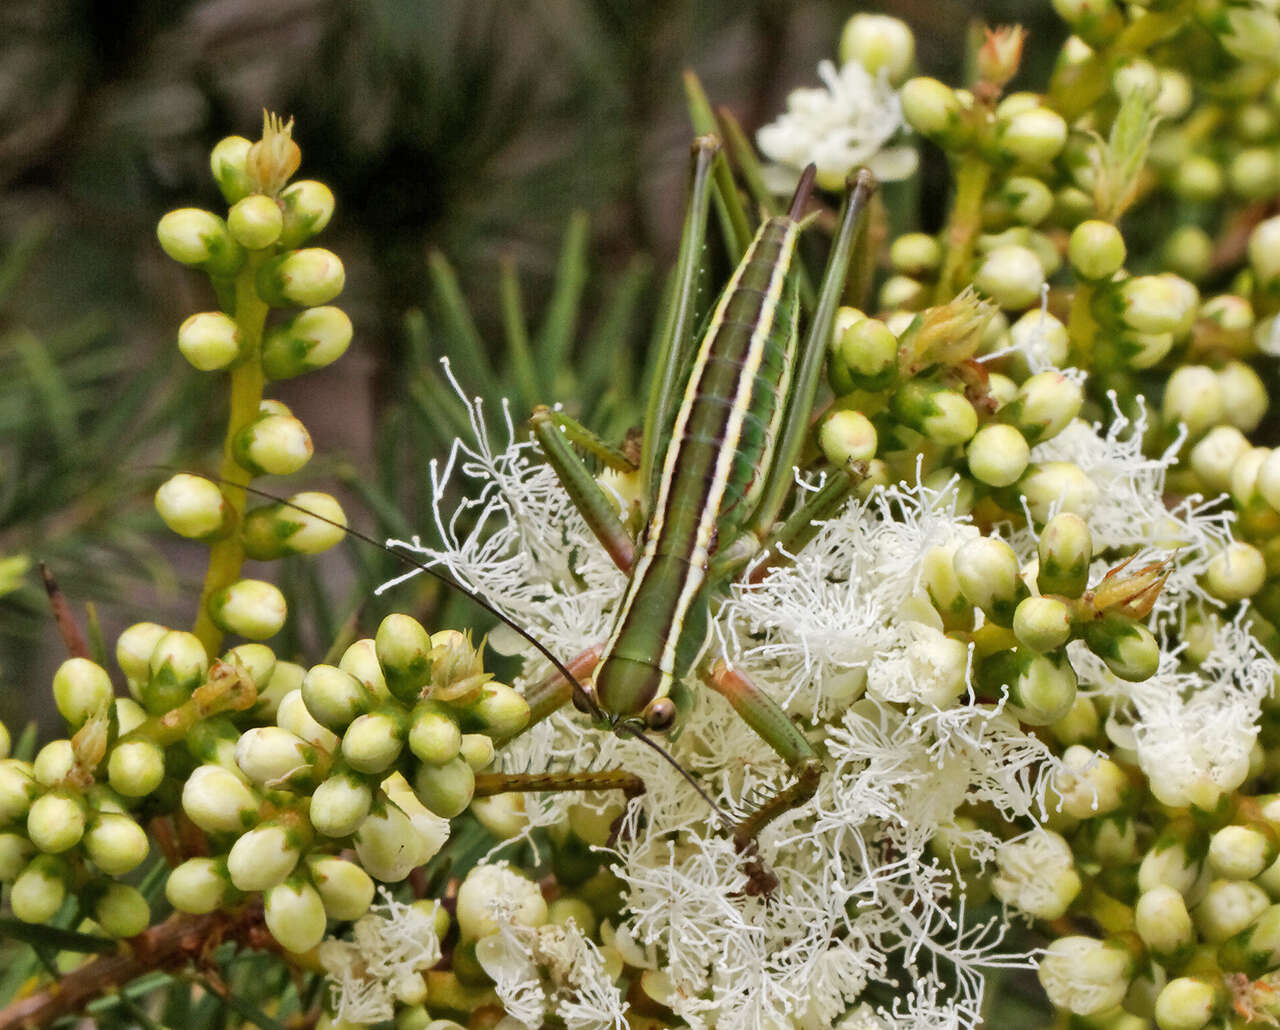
x: 489, y: 784
x: 576, y: 433
x: 764, y: 715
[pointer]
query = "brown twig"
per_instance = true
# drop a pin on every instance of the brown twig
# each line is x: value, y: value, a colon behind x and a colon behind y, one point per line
x: 178, y: 940
x: 62, y: 617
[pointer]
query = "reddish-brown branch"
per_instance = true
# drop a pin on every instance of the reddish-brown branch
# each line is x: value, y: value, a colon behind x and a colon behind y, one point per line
x: 72, y: 638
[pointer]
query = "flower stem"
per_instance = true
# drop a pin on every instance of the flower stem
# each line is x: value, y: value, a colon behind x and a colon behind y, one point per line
x: 962, y: 228
x: 226, y: 556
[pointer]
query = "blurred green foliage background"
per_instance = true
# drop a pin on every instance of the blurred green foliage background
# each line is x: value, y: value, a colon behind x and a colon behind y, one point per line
x: 466, y: 128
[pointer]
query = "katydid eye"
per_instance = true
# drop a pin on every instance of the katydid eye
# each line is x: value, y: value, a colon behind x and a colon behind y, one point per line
x: 659, y: 714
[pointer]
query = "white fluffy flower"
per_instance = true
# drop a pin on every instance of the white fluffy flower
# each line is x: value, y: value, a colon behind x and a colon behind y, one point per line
x: 1037, y: 874
x: 1085, y: 975
x: 840, y: 128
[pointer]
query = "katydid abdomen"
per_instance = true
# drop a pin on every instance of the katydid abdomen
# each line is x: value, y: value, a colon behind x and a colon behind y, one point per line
x: 721, y: 438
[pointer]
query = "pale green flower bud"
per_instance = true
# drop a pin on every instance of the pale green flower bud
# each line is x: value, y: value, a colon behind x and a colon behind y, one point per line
x: 1085, y: 975
x: 1034, y: 136
x: 1087, y: 17
x: 40, y: 889
x: 1044, y: 406
x: 1079, y: 725
x: 877, y: 41
x: 499, y: 711
x: 200, y: 239
x: 218, y: 801
x: 404, y: 649
x: 503, y: 815
x: 1060, y: 483
x: 1244, y: 397
x: 1169, y: 863
x: 302, y: 278
x: 250, y: 608
x: 1188, y: 252
x: 122, y: 911
x: 1038, y: 332
x: 988, y: 573
x: 953, y: 491
x: 255, y: 221
x: 564, y: 910
x: 227, y: 162
x: 1029, y: 200
x: 1264, y: 252
x: 269, y: 755
x: 309, y: 340
x: 1216, y: 452
x: 308, y: 206
x: 1042, y: 688
x: 1162, y: 921
x: 847, y: 436
x: 210, y: 341
x: 998, y: 455
x: 135, y: 646
x: 309, y: 523
x: 15, y: 853
x: 292, y: 715
x: 434, y: 736
x: 1245, y: 472
x: 1267, y: 478
x: 1174, y: 98
x: 56, y: 822
x: 1143, y: 350
x: 340, y: 804
x: 1241, y: 852
x: 262, y: 858
x: 445, y: 789
x: 115, y: 843
x: 901, y: 291
x: 943, y: 415
x: 1073, y: 205
x: 1042, y: 623
x: 178, y: 664
x: 273, y: 444
x: 1254, y: 173
x: 1198, y: 179
x: 1236, y: 572
x: 915, y: 254
x: 1066, y: 549
x: 81, y: 688
x: 1096, y: 250
x: 1011, y: 276
x: 1113, y: 839
x: 933, y: 110
x: 477, y: 750
x: 486, y: 882
x: 54, y: 762
x: 1036, y: 874
x: 295, y: 915
x: 864, y: 356
x: 1256, y: 948
x: 1158, y: 303
x: 345, y: 888
x: 1128, y: 647
x: 938, y: 577
x: 257, y: 661
x: 388, y: 844
x: 198, y: 886
x: 361, y: 661
x: 1186, y: 1003
x: 1088, y: 785
x: 135, y: 768
x: 194, y: 507
x: 373, y: 742
x: 334, y: 697
x: 1228, y: 906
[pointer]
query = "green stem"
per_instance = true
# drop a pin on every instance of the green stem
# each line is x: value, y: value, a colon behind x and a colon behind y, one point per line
x: 1082, y: 327
x: 962, y: 229
x: 226, y: 556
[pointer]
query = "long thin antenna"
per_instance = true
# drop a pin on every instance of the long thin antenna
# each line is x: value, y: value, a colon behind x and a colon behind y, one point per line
x: 581, y: 694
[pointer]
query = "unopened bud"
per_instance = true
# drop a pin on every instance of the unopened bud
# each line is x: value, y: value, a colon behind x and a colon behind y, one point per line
x: 1228, y: 906
x: 1057, y: 484
x: 1042, y: 623
x: 1172, y: 861
x: 877, y: 41
x: 404, y: 649
x: 1128, y: 647
x: 864, y: 356
x: 477, y: 750
x: 1241, y: 852
x: 251, y: 608
x: 998, y: 455
x: 1066, y: 549
x: 227, y: 162
x: 445, y: 789
x: 373, y: 741
x: 1244, y: 397
x: 1212, y: 457
x: 309, y: 340
x: 135, y: 646
x: 334, y: 697
x: 308, y: 206
x: 1158, y: 303
x: 1044, y: 406
x: 1040, y: 334
x: 273, y: 444
x: 40, y: 889
x: 218, y: 801
x: 295, y: 915
x: 269, y: 755
x: 81, y: 688
x: 56, y: 821
x: 122, y: 911
x: 1264, y: 252
x: 345, y: 888
x: 135, y: 768
x: 200, y: 239
x: 915, y: 253
x: 1096, y: 250
x: 1162, y: 921
x: 434, y: 736
x: 1236, y: 572
x: 1186, y: 1003
x: 933, y: 110
x: 115, y: 843
x: 1042, y: 688
x: 178, y: 664
x: 1034, y: 136
x: 194, y: 507
x: 255, y: 221
x: 301, y: 278
x: 499, y: 711
x: 262, y: 858
x: 361, y: 661
x: 209, y: 340
x: 340, y: 804
x: 988, y: 573
x: 390, y: 846
x: 1010, y: 275
x: 847, y: 436
x: 941, y: 414
x: 198, y: 885
x: 15, y: 853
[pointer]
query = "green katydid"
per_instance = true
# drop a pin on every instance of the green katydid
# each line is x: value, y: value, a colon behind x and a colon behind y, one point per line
x: 727, y: 418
